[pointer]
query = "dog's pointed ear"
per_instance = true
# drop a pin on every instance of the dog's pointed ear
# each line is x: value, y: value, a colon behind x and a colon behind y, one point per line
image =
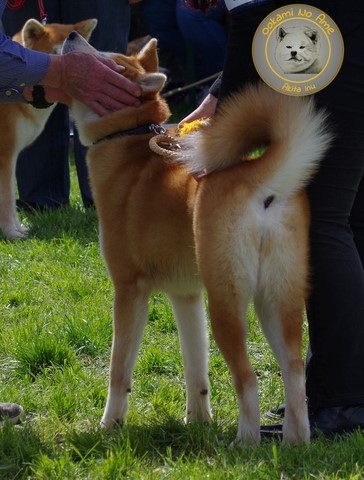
x: 312, y: 35
x: 32, y: 31
x: 152, y: 83
x: 281, y: 33
x: 86, y: 27
x: 148, y: 56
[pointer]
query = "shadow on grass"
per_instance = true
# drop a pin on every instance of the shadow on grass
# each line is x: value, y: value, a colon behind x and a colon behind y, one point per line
x: 19, y: 446
x: 173, y: 438
x: 69, y: 221
x: 170, y: 437
x: 142, y: 448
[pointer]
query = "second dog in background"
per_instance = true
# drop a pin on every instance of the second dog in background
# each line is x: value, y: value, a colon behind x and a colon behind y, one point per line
x: 20, y: 124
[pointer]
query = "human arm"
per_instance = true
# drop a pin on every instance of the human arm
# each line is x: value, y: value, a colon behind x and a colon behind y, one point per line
x: 96, y: 81
x: 239, y: 66
x: 205, y: 110
x: 207, y: 107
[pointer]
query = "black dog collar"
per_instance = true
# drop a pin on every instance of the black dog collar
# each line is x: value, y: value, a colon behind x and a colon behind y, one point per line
x: 147, y: 128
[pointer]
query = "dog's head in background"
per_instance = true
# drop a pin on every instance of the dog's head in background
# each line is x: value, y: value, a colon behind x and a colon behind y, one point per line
x: 49, y: 38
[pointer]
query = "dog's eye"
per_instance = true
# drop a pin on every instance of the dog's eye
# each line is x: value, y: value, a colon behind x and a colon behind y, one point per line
x: 302, y: 47
x: 288, y: 46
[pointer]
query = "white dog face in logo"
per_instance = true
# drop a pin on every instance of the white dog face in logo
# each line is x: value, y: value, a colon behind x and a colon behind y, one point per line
x: 298, y: 50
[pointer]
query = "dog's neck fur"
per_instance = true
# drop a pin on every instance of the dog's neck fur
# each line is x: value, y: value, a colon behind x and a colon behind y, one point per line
x: 93, y: 128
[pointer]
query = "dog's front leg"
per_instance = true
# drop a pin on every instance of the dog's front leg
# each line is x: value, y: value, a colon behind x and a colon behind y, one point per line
x: 130, y: 316
x: 9, y: 221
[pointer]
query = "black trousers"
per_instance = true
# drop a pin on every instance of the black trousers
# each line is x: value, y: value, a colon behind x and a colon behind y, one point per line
x: 335, y: 371
x: 335, y: 310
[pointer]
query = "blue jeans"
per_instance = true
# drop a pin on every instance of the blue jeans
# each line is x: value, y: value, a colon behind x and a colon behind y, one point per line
x: 43, y: 170
x: 205, y: 35
x: 183, y: 33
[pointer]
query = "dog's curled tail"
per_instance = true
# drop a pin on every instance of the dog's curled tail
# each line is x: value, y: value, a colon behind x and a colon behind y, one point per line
x: 256, y: 125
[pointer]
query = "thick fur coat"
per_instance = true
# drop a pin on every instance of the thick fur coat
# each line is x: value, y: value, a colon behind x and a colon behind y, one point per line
x: 241, y: 231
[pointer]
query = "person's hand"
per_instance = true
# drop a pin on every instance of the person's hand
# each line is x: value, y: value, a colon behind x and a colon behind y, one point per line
x: 93, y: 80
x: 205, y: 110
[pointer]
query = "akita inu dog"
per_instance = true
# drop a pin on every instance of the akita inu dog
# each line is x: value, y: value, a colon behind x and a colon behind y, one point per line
x: 21, y: 124
x: 242, y: 228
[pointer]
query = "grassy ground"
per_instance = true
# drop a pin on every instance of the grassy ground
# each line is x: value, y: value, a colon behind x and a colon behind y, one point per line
x: 55, y: 336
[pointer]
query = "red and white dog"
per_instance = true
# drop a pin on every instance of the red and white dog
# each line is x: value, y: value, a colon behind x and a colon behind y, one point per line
x: 241, y: 231
x: 21, y: 124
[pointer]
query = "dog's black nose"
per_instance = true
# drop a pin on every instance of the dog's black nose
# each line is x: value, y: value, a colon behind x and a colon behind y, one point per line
x: 293, y: 53
x: 72, y: 35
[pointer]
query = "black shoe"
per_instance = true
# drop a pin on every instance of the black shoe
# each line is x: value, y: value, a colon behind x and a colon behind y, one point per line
x: 329, y: 422
x: 337, y: 420
x: 275, y: 432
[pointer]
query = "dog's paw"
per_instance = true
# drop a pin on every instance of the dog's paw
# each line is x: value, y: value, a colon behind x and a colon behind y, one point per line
x: 191, y: 417
x: 109, y: 424
x: 16, y: 233
x: 297, y: 436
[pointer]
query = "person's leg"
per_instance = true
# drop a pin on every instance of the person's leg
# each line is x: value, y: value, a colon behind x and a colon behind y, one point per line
x: 335, y: 378
x: 357, y: 220
x: 111, y: 34
x: 160, y: 19
x: 80, y: 153
x: 112, y: 30
x: 42, y: 169
x: 335, y: 374
x: 205, y: 35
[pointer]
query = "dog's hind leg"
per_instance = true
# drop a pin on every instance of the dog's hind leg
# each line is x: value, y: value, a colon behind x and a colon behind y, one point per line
x: 191, y: 320
x: 279, y: 303
x: 228, y: 261
x: 130, y: 316
x: 228, y: 321
x: 282, y: 326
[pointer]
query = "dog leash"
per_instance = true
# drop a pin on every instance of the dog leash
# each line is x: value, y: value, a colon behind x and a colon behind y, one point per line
x: 17, y: 4
x: 168, y: 146
x: 165, y: 146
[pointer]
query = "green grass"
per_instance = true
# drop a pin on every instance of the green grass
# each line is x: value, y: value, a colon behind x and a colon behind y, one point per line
x: 55, y: 337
